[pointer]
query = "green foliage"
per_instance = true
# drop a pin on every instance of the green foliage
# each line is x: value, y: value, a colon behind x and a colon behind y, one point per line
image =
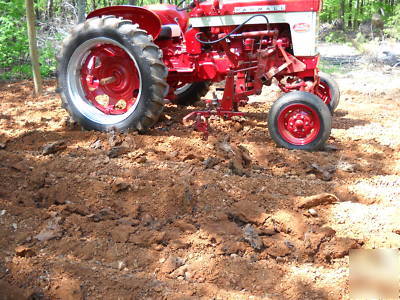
x: 335, y: 37
x: 13, y: 38
x: 393, y: 25
x: 47, y: 60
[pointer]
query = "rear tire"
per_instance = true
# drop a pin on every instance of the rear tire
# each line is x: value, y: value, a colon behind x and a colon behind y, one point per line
x: 190, y: 93
x: 130, y: 56
x: 299, y: 120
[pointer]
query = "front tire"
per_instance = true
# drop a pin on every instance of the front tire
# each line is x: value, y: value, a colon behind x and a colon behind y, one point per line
x: 111, y: 76
x: 328, y: 91
x: 299, y: 120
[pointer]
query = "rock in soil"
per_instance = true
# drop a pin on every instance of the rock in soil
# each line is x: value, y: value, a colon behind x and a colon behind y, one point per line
x: 277, y: 245
x: 251, y: 236
x: 311, y: 201
x: 171, y: 264
x: 51, y: 231
x: 289, y: 222
x: 24, y: 251
x: 117, y: 151
x: 211, y: 162
x: 120, y: 185
x: 54, y: 147
x: 336, y: 248
x: 248, y: 212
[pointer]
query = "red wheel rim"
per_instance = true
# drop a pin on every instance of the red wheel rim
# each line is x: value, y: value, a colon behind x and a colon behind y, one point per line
x: 110, y: 79
x: 324, y: 92
x: 298, y: 124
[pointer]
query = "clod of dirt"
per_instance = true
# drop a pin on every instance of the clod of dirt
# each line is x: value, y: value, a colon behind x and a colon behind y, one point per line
x: 67, y: 288
x: 240, y: 160
x: 119, y: 185
x: 147, y: 238
x: 78, y: 209
x: 147, y: 219
x: 248, y: 212
x: 289, y: 222
x: 231, y: 247
x: 315, y: 236
x: 171, y: 264
x: 117, y: 151
x: 54, y: 147
x: 104, y: 214
x: 277, y: 245
x: 315, y: 200
x: 251, y: 236
x: 211, y: 162
x: 185, y: 226
x: 24, y: 251
x: 120, y: 234
x: 178, y: 244
x: 325, y: 172
x: 336, y: 248
x: 51, y: 231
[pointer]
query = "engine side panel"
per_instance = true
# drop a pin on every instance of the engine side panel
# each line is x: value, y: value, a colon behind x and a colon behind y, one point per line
x: 303, y: 27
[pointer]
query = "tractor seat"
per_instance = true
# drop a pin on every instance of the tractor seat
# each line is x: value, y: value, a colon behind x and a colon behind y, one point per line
x: 169, y: 31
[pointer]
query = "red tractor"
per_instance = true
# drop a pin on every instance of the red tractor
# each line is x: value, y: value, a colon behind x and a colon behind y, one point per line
x: 117, y: 69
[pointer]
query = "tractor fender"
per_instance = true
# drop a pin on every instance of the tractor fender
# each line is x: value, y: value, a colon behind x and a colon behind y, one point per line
x: 145, y: 18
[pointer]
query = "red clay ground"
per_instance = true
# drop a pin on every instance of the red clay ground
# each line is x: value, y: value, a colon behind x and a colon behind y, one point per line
x: 167, y: 215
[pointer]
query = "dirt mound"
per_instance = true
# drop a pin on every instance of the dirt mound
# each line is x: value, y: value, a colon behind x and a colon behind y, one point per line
x: 169, y: 215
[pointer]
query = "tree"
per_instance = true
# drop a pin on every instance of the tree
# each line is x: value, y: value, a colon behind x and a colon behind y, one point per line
x: 33, y: 51
x: 81, y: 11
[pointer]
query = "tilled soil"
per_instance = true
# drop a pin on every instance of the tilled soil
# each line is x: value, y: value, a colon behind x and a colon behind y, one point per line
x: 168, y: 215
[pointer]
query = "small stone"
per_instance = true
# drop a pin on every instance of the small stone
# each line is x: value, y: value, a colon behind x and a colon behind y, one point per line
x: 251, y: 236
x: 54, y: 147
x: 97, y: 145
x: 141, y: 159
x: 117, y: 151
x: 147, y: 219
x: 14, y: 226
x: 2, y: 212
x: 238, y: 126
x: 171, y: 264
x: 23, y: 251
x: 313, y: 212
x: 119, y: 185
x: 3, y: 146
x: 211, y: 162
x: 311, y: 176
x: 51, y: 231
x: 121, y: 265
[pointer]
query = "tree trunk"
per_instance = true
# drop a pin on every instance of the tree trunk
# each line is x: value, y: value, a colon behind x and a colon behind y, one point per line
x: 341, y: 14
x: 49, y: 12
x: 132, y: 2
x: 81, y: 10
x: 33, y: 51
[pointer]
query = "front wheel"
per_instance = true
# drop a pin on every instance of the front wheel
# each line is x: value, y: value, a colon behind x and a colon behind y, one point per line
x: 299, y: 120
x: 111, y: 76
x: 328, y: 91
